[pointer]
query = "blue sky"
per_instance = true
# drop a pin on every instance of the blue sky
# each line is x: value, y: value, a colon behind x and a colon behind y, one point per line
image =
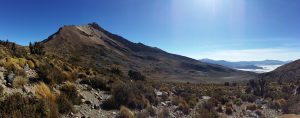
x: 219, y: 29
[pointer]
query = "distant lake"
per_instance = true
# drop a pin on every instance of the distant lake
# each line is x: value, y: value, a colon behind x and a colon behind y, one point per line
x: 266, y: 68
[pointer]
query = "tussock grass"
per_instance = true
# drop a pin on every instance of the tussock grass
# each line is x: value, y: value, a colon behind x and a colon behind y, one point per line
x: 126, y: 113
x: 42, y: 91
x: 44, y: 94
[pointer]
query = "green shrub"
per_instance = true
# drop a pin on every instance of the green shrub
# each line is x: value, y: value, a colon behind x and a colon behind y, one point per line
x: 237, y: 102
x: 223, y: 100
x: 248, y: 97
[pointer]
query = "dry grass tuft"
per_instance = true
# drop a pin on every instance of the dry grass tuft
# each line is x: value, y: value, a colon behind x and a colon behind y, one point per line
x: 42, y: 91
x: 126, y: 113
x: 19, y: 81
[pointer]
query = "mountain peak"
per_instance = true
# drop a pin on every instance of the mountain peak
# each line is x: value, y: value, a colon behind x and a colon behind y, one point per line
x: 95, y: 26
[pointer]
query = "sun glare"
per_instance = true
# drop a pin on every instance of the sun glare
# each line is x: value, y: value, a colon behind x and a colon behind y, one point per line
x: 211, y: 6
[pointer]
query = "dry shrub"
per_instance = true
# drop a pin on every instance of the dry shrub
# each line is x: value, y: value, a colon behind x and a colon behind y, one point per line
x: 164, y: 113
x: 30, y: 64
x: 126, y: 113
x: 259, y: 112
x: 206, y: 110
x: 228, y: 111
x: 291, y: 106
x: 21, y: 62
x: 20, y: 81
x: 11, y: 64
x: 19, y: 106
x: 251, y: 107
x: 1, y: 90
x: 69, y: 76
x: 176, y: 100
x: 64, y: 105
x: 151, y: 111
x: 96, y: 83
x: 219, y: 108
x: 279, y: 104
x: 71, y: 93
x: 131, y: 95
x: 184, y: 107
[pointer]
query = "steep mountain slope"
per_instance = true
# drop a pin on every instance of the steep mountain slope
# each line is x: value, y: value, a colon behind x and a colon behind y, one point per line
x: 288, y: 72
x: 93, y: 47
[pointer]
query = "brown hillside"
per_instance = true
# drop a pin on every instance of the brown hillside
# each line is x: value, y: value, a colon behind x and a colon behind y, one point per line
x: 287, y: 72
x: 92, y: 46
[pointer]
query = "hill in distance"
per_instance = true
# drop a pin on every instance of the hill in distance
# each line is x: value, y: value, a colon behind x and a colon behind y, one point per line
x: 245, y: 64
x: 286, y: 73
x: 94, y: 47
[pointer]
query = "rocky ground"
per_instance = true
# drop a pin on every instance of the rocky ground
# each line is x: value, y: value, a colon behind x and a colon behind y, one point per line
x: 92, y: 99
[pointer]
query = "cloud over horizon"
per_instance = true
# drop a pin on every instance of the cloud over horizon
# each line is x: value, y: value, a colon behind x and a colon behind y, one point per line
x: 284, y: 54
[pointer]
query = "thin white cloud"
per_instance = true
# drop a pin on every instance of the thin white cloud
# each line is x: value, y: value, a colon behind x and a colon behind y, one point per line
x: 254, y: 54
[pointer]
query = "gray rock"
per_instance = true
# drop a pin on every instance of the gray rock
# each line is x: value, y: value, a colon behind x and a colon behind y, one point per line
x: 10, y: 77
x: 71, y: 114
x: 96, y: 106
x: 26, y: 89
x: 82, y: 100
x: 254, y: 115
x: 206, y: 97
x: 88, y: 102
x: 163, y: 104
